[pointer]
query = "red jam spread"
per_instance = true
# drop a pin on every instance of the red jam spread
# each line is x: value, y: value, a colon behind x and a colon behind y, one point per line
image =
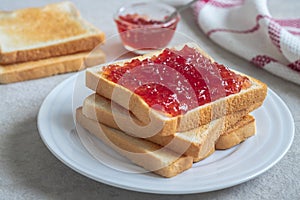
x: 177, y: 81
x: 139, y: 19
x: 140, y: 32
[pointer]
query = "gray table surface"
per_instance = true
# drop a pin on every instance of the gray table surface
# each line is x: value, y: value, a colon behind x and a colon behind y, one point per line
x: 29, y: 171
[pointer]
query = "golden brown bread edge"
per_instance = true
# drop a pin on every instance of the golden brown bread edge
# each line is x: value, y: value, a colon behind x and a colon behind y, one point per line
x: 67, y: 48
x: 192, y: 119
x: 146, y: 154
x: 216, y: 136
x: 236, y: 134
x: 50, y: 66
x: 128, y: 143
x: 196, y: 142
x: 86, y: 40
x: 100, y: 108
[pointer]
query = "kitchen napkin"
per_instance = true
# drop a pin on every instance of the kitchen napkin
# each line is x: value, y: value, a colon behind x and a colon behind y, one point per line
x: 246, y: 28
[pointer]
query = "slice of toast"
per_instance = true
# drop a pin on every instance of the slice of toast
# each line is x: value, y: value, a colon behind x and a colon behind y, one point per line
x: 149, y: 156
x: 251, y: 97
x: 38, y: 33
x: 141, y: 152
x: 50, y: 66
x: 196, y: 142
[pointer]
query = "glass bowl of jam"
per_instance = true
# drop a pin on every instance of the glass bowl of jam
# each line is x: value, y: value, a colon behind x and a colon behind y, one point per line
x: 146, y: 26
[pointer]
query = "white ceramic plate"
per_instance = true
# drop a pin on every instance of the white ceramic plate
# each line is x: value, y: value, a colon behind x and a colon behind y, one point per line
x: 275, y: 132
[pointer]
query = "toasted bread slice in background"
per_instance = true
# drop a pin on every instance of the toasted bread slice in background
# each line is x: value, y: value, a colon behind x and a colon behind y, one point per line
x: 49, y: 66
x: 37, y: 33
x: 252, y: 97
x: 144, y: 153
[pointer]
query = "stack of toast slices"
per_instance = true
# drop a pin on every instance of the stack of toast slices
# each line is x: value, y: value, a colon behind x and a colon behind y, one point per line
x: 45, y: 41
x: 153, y: 139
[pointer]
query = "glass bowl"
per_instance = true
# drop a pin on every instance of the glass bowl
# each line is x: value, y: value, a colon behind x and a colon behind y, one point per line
x: 145, y: 26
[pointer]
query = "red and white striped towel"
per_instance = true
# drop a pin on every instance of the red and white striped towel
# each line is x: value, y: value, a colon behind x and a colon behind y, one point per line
x: 246, y: 28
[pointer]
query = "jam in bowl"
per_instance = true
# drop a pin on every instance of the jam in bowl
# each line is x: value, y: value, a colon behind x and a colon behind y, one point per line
x: 144, y: 27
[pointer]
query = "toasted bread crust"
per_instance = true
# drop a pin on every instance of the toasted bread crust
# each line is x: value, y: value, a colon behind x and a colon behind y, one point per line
x: 225, y: 133
x: 100, y: 109
x: 237, y: 133
x: 249, y: 99
x: 190, y: 120
x: 69, y: 47
x: 48, y: 67
x: 166, y: 163
x: 201, y: 139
